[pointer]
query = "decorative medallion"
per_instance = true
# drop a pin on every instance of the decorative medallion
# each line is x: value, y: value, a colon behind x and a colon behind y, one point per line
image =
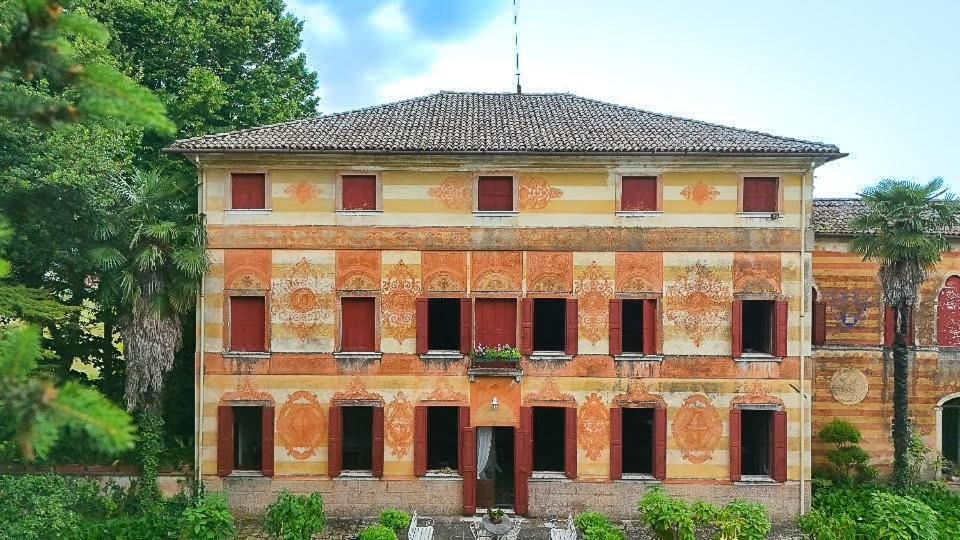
x: 444, y: 392
x: 454, y: 192
x: 639, y: 272
x: 548, y: 393
x: 356, y: 391
x: 698, y: 302
x: 849, y: 386
x: 697, y: 428
x: 303, y: 192
x: 593, y: 288
x: 497, y: 270
x: 593, y: 426
x: 247, y: 269
x: 358, y: 270
x: 756, y: 273
x: 245, y: 391
x: 848, y: 307
x: 302, y: 299
x: 301, y: 425
x: 637, y: 395
x: 399, y: 293
x: 444, y: 271
x: 398, y: 425
x: 536, y: 193
x: 699, y: 193
x: 549, y: 271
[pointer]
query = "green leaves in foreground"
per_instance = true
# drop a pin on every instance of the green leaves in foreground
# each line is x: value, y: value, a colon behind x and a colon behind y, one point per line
x: 33, y: 410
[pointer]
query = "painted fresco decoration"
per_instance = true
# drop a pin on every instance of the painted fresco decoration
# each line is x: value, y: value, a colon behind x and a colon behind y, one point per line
x: 637, y: 395
x: 536, y: 193
x: 549, y: 272
x: 454, y: 192
x: 593, y: 427
x: 756, y: 273
x: 247, y: 269
x: 356, y: 391
x: 398, y: 425
x: 697, y: 428
x: 639, y: 272
x: 246, y: 391
x: 948, y: 313
x: 497, y: 270
x: 755, y: 394
x: 303, y: 192
x: 358, y: 270
x: 698, y: 302
x: 444, y: 271
x: 848, y: 307
x: 444, y: 392
x: 593, y: 287
x: 302, y: 299
x: 849, y: 386
x: 400, y: 290
x: 549, y: 393
x: 301, y: 425
x: 699, y: 193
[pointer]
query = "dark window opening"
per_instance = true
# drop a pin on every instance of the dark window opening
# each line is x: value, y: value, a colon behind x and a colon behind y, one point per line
x: 358, y: 324
x: 442, y: 426
x: 757, y: 326
x: 549, y: 324
x: 357, y: 438
x: 548, y: 439
x: 760, y: 194
x: 756, y: 439
x: 632, y: 326
x: 495, y: 194
x: 638, y: 441
x: 950, y: 444
x: 443, y: 324
x: 247, y: 438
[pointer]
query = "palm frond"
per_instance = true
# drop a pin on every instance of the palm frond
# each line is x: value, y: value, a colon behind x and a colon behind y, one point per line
x: 106, y: 257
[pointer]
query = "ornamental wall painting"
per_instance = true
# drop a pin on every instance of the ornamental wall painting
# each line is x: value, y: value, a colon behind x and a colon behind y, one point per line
x: 698, y: 302
x: 697, y: 428
x: 496, y: 270
x: 454, y: 192
x: 593, y: 287
x: 246, y: 391
x: 549, y: 271
x: 848, y: 307
x: 549, y: 393
x: 756, y: 273
x: 444, y: 271
x: 246, y: 269
x: 536, y: 193
x: 637, y: 395
x: 399, y: 292
x: 699, y: 193
x: 754, y: 394
x: 301, y: 425
x: 302, y: 304
x: 593, y: 427
x: 398, y: 425
x: 948, y: 313
x: 303, y: 192
x: 358, y: 270
x: 639, y: 272
x: 444, y: 392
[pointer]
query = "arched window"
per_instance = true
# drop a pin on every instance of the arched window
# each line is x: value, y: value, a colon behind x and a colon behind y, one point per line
x: 950, y: 431
x: 948, y: 313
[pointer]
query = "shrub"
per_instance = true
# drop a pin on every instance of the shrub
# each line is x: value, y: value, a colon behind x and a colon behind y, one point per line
x: 743, y: 520
x: 589, y: 519
x: 895, y: 517
x: 378, y: 532
x: 48, y: 506
x: 849, y: 461
x: 208, y: 519
x: 398, y: 520
x: 670, y: 519
x: 944, y: 502
x: 818, y: 525
x: 295, y: 517
x: 604, y: 531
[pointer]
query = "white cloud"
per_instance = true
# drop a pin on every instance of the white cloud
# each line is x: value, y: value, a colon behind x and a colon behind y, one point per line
x: 319, y: 23
x: 390, y: 18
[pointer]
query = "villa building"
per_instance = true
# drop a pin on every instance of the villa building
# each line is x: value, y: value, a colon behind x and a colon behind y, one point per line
x: 655, y: 274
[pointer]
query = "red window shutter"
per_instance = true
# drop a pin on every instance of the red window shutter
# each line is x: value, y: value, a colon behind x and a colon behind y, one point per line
x: 780, y: 317
x: 948, y: 314
x: 496, y: 322
x: 464, y: 422
x: 267, y: 453
x: 780, y: 446
x: 649, y: 327
x: 420, y: 441
x: 736, y: 328
x: 638, y: 193
x: 760, y: 194
x: 616, y: 443
x: 224, y: 440
x: 466, y: 326
x: 819, y: 323
x: 359, y: 192
x: 248, y: 191
x: 377, y: 442
x: 572, y: 336
x: 526, y: 326
x: 660, y: 443
x: 616, y: 327
x: 357, y: 324
x: 469, y: 471
x: 495, y: 193
x: 889, y: 326
x: 334, y: 437
x: 570, y: 442
x: 423, y: 325
x: 734, y: 438
x: 247, y: 323
x: 522, y: 458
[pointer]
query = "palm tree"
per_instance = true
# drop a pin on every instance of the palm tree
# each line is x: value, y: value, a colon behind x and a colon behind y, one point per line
x: 904, y: 228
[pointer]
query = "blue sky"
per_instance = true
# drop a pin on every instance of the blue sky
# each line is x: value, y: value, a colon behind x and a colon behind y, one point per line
x: 880, y: 79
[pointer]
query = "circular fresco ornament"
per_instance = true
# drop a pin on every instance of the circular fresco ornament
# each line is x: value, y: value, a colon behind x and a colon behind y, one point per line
x: 849, y: 386
x: 301, y: 425
x: 697, y: 428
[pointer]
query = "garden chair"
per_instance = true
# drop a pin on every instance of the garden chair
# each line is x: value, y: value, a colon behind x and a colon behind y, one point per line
x: 420, y: 528
x: 567, y: 533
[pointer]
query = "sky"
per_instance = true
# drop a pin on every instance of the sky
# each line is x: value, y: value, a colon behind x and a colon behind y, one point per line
x: 880, y: 79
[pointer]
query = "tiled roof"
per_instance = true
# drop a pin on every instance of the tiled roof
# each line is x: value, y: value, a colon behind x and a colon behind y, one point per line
x: 467, y: 122
x: 833, y: 216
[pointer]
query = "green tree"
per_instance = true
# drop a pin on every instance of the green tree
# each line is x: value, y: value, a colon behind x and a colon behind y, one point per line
x: 903, y: 228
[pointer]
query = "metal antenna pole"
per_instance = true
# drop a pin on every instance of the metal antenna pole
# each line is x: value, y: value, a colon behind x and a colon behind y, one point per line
x: 516, y: 44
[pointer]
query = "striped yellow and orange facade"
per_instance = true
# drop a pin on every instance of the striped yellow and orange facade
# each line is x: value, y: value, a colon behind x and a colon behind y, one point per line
x: 566, y: 239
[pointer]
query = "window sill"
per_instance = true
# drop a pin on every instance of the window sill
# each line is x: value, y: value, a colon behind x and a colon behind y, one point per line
x: 495, y: 213
x: 356, y: 474
x: 638, y: 357
x: 357, y: 356
x: 439, y: 475
x: 248, y: 355
x: 254, y: 211
x: 757, y: 357
x: 639, y: 477
x: 760, y: 215
x: 359, y: 212
x: 756, y: 480
x: 514, y: 373
x: 549, y: 475
x: 542, y: 356
x: 245, y: 474
x: 638, y: 213
x: 444, y: 356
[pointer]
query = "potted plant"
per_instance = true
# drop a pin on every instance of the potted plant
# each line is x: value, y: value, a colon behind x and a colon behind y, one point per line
x: 495, y: 515
x: 498, y: 356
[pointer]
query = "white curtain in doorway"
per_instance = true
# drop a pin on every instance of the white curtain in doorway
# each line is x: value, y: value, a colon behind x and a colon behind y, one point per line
x: 484, y: 443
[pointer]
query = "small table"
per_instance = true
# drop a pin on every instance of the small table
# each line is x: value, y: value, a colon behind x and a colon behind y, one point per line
x: 497, y: 529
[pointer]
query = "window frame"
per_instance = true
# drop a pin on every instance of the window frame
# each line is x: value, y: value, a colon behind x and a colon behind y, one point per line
x: 568, y: 450
x: 267, y: 191
x: 225, y: 411
x: 779, y: 464
x: 638, y: 213
x: 515, y: 180
x: 533, y: 325
x: 778, y: 210
x: 338, y: 345
x: 616, y: 350
x: 775, y: 339
x: 338, y: 196
x: 474, y: 328
x: 228, y: 295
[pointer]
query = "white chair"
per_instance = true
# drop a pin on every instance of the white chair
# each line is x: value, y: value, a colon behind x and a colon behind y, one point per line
x: 514, y: 532
x: 568, y: 533
x: 420, y: 528
x: 477, y: 530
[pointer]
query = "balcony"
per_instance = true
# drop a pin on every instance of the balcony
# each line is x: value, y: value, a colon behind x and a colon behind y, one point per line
x: 500, y: 361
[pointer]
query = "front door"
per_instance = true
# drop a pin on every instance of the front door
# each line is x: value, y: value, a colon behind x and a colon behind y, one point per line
x: 495, y: 466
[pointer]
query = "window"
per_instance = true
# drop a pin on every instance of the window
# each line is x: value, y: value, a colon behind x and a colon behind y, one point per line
x: 247, y: 438
x: 495, y: 194
x: 638, y: 441
x: 639, y: 194
x: 758, y: 326
x: 761, y: 194
x: 819, y: 322
x: 758, y: 443
x: 633, y: 326
x: 756, y: 434
x: 358, y: 192
x: 950, y: 433
x: 442, y: 438
x: 549, y: 324
x: 548, y: 439
x: 444, y: 324
x: 358, y: 317
x: 357, y: 438
x: 248, y: 191
x: 247, y: 324
x: 244, y: 439
x: 496, y: 321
